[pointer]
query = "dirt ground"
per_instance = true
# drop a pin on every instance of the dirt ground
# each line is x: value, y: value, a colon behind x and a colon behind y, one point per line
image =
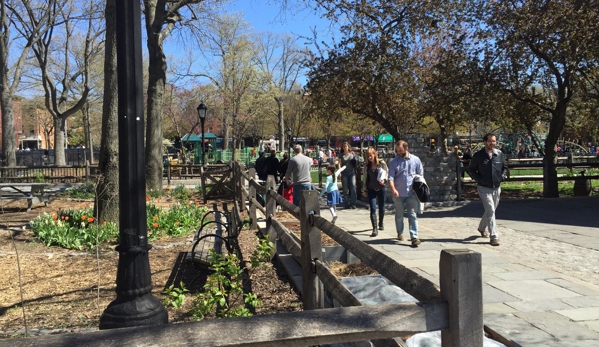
x: 65, y: 289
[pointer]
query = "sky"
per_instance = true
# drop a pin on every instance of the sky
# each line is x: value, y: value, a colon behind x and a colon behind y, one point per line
x: 266, y: 15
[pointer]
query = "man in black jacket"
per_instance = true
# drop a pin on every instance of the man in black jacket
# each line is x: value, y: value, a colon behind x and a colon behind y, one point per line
x: 488, y: 168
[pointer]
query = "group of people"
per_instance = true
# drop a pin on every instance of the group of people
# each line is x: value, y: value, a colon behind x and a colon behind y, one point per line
x: 488, y: 167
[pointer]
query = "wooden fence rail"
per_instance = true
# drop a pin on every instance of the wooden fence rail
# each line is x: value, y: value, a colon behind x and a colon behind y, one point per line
x: 462, y: 291
x: 456, y: 308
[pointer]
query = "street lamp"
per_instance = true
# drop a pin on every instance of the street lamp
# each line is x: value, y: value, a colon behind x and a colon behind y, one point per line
x: 289, y: 132
x: 202, y: 114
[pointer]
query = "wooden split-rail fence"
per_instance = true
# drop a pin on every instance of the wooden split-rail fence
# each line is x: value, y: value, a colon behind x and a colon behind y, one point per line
x: 455, y: 308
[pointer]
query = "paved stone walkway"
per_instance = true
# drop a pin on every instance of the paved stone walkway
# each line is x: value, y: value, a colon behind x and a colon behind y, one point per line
x: 527, y: 303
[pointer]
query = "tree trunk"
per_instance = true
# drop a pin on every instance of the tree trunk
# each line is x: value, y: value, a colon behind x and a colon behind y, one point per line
x: 9, y: 140
x: 558, y: 120
x: 59, y: 141
x: 107, y: 189
x: 281, y: 124
x: 87, y: 131
x: 156, y: 82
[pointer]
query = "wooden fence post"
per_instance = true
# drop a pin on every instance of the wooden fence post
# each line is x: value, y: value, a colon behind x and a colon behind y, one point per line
x: 242, y: 195
x: 168, y: 172
x: 461, y: 286
x: 458, y: 174
x: 271, y: 211
x: 252, y: 192
x: 311, y: 249
x: 202, y: 174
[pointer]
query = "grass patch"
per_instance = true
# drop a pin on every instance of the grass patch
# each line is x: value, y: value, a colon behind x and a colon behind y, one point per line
x: 565, y: 188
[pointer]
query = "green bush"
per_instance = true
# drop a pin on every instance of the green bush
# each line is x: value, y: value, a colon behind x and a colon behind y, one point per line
x: 86, y: 190
x: 73, y: 230
x: 77, y: 229
x: 181, y: 219
x: 180, y: 192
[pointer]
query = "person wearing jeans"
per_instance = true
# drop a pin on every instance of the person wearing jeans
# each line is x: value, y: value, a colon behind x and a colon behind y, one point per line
x: 374, y: 187
x: 410, y: 204
x: 402, y: 170
x: 299, y: 171
x: 348, y: 159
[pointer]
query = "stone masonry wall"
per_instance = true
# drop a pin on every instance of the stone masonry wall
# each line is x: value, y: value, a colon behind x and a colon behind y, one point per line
x: 439, y: 169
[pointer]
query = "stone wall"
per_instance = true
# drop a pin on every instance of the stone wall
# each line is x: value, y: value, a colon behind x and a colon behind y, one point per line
x: 439, y: 169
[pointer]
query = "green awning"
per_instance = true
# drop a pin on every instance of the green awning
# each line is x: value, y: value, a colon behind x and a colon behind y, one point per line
x: 385, y: 138
x: 198, y: 137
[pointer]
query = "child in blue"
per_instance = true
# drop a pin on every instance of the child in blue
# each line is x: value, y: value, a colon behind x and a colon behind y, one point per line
x: 333, y: 194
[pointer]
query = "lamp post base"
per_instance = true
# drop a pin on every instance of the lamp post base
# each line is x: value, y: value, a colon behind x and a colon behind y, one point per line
x: 134, y: 311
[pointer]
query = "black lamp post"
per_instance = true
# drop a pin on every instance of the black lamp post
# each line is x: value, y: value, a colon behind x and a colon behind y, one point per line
x: 202, y: 114
x: 289, y: 132
x: 134, y: 304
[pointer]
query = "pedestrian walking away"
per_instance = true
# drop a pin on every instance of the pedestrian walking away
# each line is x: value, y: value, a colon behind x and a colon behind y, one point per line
x: 332, y: 191
x: 488, y: 167
x: 375, y: 173
x: 348, y: 159
x: 271, y: 166
x: 299, y: 171
x: 260, y: 166
x: 402, y: 170
x: 283, y: 164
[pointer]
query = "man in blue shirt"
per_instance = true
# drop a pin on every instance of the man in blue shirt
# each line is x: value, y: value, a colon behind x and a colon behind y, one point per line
x: 401, y: 178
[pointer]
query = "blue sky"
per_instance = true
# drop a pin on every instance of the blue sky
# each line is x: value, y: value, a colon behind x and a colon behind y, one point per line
x: 266, y: 15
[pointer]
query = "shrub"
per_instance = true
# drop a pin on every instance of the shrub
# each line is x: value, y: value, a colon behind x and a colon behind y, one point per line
x: 73, y: 230
x: 86, y: 190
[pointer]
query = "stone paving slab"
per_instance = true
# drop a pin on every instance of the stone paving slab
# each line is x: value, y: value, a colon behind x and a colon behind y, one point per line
x: 582, y: 301
x: 559, y: 327
x: 593, y: 325
x: 520, y: 301
x: 577, y: 288
x: 580, y: 314
x: 517, y: 329
x: 497, y: 307
x: 492, y: 294
x: 532, y: 289
x: 538, y: 305
x: 526, y: 275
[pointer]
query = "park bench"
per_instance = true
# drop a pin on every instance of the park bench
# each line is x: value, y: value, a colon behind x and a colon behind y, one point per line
x: 32, y: 192
x: 228, y: 224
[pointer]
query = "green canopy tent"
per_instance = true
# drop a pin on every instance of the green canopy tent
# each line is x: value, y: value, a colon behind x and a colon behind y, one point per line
x: 196, y: 139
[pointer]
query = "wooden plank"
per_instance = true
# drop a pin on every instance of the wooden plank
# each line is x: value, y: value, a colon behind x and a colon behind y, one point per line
x: 311, y: 248
x: 460, y: 276
x: 285, y: 205
x: 252, y: 198
x: 288, y: 239
x: 408, y: 280
x: 333, y: 285
x: 293, y: 329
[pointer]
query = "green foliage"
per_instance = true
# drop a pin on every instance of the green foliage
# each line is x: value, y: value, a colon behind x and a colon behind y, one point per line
x: 180, y: 220
x: 86, y: 190
x: 39, y: 177
x: 77, y: 229
x: 175, y: 297
x: 73, y: 230
x: 262, y: 252
x: 154, y: 194
x: 180, y: 192
x: 223, y: 295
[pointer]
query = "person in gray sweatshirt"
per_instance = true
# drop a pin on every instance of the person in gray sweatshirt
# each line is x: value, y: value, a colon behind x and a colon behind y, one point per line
x: 299, y: 171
